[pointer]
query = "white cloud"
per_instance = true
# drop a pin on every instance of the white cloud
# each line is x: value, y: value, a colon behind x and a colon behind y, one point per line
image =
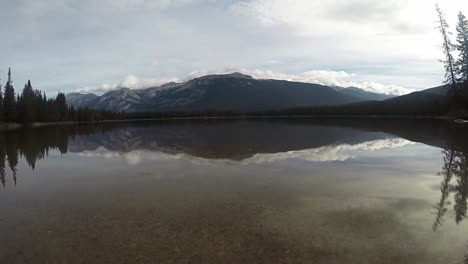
x: 134, y: 82
x: 349, y: 17
x: 98, y: 89
x: 131, y: 82
x: 154, y: 4
x: 398, y: 34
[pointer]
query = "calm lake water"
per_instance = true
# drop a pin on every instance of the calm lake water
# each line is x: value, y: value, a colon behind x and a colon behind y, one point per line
x: 238, y: 191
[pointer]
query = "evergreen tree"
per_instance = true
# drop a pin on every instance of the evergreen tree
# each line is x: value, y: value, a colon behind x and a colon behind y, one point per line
x: 9, y: 100
x: 462, y: 47
x: 42, y: 107
x: 2, y: 162
x: 61, y: 102
x: 34, y: 106
x: 27, y: 104
x: 448, y: 48
x: 1, y: 104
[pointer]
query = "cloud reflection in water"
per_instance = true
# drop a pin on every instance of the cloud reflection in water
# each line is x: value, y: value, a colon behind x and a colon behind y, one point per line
x: 339, y: 152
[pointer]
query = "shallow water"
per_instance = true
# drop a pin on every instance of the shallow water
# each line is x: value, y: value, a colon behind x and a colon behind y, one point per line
x: 245, y: 191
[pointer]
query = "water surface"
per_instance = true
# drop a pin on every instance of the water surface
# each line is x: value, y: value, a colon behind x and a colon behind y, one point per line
x: 244, y: 191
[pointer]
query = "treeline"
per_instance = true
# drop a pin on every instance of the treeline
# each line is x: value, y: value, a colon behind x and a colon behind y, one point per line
x: 33, y: 106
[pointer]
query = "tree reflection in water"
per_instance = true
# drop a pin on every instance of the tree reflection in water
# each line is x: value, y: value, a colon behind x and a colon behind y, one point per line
x: 447, y: 170
x: 34, y: 144
x: 455, y: 181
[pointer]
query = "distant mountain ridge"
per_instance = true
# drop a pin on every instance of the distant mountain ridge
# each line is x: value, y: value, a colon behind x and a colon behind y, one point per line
x: 225, y: 92
x: 429, y: 102
x: 365, y: 95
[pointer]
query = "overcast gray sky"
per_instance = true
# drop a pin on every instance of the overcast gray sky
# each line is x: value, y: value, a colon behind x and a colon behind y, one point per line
x: 88, y: 45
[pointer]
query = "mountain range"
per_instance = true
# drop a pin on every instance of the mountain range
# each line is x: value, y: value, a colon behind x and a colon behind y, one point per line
x: 227, y: 92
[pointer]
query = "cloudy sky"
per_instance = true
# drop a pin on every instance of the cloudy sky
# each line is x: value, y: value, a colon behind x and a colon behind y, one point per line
x: 88, y: 45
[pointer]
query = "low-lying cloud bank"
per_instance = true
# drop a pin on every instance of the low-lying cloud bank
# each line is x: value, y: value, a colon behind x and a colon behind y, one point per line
x: 323, y: 77
x: 130, y: 81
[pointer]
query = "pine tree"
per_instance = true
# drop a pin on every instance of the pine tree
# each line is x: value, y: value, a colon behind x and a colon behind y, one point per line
x: 448, y: 47
x: 62, y: 107
x: 42, y: 112
x: 1, y: 104
x: 28, y: 111
x: 9, y: 100
x: 2, y: 162
x: 462, y: 47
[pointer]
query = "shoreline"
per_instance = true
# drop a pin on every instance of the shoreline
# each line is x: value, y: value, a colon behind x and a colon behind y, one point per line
x: 13, y: 126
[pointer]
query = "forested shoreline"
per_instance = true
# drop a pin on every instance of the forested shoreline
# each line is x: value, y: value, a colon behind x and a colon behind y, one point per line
x: 33, y: 106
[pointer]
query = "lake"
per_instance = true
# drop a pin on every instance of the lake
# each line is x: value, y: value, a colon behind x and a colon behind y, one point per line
x: 235, y: 191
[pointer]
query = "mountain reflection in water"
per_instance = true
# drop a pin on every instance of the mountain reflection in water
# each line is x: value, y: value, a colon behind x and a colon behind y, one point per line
x: 243, y: 142
x: 309, y: 190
